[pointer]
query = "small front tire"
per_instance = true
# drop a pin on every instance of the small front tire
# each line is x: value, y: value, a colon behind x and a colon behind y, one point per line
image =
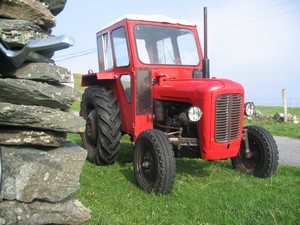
x: 263, y: 158
x: 154, y: 162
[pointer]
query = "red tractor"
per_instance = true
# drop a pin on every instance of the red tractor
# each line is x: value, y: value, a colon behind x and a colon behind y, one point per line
x: 154, y: 85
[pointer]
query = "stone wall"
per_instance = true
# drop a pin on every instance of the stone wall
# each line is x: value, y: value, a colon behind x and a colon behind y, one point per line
x: 40, y: 168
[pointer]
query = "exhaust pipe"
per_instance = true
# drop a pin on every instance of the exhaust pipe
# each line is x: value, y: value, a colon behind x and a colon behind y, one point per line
x: 205, y: 61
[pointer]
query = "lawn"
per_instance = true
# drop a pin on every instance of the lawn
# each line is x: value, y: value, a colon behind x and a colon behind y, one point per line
x: 205, y: 192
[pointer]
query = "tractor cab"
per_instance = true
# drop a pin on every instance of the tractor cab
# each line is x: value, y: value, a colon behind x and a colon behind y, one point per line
x: 137, y: 52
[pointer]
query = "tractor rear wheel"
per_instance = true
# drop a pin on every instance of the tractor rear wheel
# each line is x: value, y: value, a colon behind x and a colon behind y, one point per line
x: 263, y: 159
x: 154, y: 162
x: 102, y: 135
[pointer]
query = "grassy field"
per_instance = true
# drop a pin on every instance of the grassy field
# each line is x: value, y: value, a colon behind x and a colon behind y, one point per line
x: 77, y: 82
x: 204, y: 193
x: 276, y: 128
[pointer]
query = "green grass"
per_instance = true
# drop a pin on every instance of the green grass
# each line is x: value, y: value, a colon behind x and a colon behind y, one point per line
x: 77, y: 86
x: 77, y: 82
x: 277, y: 128
x: 271, y: 110
x: 204, y: 193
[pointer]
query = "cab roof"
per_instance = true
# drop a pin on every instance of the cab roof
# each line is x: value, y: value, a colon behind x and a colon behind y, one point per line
x: 150, y: 18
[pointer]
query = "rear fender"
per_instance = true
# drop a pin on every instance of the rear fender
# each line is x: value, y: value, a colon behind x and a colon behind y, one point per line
x: 94, y: 78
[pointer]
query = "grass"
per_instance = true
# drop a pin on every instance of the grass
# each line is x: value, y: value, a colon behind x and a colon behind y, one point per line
x: 204, y: 193
x: 77, y: 82
x: 77, y: 86
x: 271, y: 110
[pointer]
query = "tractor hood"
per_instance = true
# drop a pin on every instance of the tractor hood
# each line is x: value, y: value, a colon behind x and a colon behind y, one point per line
x: 205, y: 93
x: 194, y: 90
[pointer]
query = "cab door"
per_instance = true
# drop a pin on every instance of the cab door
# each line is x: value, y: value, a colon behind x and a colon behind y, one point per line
x: 124, y: 78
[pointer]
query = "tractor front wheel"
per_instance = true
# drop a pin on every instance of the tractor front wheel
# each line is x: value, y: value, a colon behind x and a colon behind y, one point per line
x: 154, y: 162
x: 262, y: 160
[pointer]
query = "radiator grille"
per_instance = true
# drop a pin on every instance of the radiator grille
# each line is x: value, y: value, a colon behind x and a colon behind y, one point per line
x: 228, y: 117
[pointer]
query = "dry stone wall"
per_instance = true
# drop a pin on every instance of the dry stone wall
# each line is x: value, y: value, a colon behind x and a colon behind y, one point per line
x: 40, y: 168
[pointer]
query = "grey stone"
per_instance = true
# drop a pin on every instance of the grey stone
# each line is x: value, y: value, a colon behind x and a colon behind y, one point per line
x: 27, y: 92
x: 55, y: 6
x: 40, y: 117
x: 19, y: 136
x: 258, y: 114
x: 31, y: 174
x: 39, y: 58
x: 279, y: 117
x: 68, y: 211
x: 42, y: 72
x: 31, y: 10
x: 16, y: 33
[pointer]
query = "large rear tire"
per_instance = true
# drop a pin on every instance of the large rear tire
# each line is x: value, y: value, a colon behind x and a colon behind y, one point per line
x: 102, y: 135
x: 263, y: 158
x: 154, y: 162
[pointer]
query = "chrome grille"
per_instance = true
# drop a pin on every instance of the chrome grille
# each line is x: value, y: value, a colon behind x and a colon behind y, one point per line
x: 228, y: 117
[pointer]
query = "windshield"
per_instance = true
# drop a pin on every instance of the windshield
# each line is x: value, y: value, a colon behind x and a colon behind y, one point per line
x: 166, y: 45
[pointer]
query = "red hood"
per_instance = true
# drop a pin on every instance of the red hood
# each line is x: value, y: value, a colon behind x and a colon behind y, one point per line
x: 193, y: 90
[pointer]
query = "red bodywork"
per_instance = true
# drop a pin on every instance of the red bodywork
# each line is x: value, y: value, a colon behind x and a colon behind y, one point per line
x: 171, y: 83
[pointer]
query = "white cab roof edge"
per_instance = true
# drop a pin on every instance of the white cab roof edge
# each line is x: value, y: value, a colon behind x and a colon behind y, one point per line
x: 151, y: 18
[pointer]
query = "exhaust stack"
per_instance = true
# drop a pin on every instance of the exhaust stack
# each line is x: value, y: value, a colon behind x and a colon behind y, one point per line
x: 205, y: 61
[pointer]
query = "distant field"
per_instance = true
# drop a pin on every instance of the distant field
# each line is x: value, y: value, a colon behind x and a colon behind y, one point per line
x: 271, y: 110
x: 276, y: 128
x: 77, y: 82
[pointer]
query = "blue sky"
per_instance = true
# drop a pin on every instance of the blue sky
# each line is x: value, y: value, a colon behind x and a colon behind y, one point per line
x: 256, y: 43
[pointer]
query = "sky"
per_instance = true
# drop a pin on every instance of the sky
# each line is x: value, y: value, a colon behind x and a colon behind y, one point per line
x: 256, y: 43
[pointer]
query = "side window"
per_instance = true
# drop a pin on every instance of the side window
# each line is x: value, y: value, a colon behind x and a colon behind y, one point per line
x: 126, y: 84
x: 120, y: 47
x: 104, y: 53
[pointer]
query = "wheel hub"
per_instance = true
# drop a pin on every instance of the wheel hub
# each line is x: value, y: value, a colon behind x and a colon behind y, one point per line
x: 91, y: 127
x: 147, y: 166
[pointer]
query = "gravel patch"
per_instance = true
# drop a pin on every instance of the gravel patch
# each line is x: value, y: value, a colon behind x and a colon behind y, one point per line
x: 289, y: 150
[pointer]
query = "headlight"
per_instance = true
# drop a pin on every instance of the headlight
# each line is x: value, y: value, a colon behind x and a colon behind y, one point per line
x: 194, y: 114
x: 249, y: 108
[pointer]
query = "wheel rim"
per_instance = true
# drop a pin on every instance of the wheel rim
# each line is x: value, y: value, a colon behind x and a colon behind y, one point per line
x: 147, y: 166
x: 256, y: 159
x: 91, y: 128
